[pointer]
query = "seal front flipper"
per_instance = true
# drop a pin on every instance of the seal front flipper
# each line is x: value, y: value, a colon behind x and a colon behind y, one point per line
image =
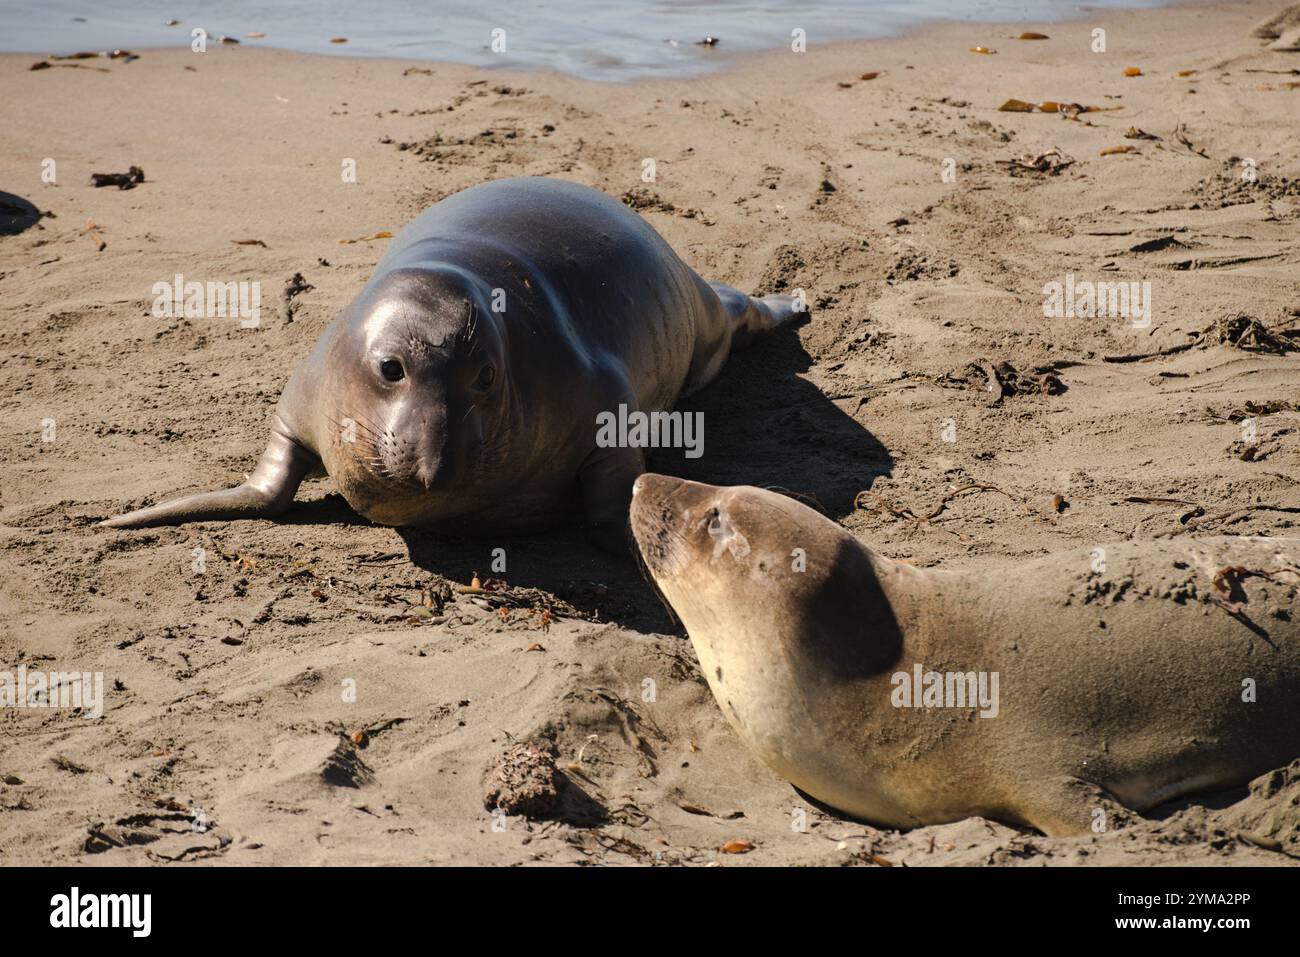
x: 606, y: 479
x: 265, y: 493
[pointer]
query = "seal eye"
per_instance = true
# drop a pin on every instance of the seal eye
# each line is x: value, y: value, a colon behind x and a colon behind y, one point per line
x: 486, y: 376
x: 391, y: 370
x: 715, y: 523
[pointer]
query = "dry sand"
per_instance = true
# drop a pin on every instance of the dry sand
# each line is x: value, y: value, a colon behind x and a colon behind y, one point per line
x: 224, y: 699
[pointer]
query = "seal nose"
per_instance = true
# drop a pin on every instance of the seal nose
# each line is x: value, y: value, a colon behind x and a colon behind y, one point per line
x: 433, y: 453
x: 649, y: 484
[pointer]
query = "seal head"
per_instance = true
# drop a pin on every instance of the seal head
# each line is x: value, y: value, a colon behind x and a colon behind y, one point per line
x: 787, y: 616
x: 421, y: 398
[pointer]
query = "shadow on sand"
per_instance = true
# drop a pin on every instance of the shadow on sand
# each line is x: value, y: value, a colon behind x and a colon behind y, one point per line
x: 764, y: 425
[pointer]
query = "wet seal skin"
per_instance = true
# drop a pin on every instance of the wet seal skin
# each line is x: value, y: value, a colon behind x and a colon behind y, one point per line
x: 1089, y: 684
x: 461, y: 388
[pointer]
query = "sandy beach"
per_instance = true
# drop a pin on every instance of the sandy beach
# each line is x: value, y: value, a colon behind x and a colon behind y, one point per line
x: 923, y: 224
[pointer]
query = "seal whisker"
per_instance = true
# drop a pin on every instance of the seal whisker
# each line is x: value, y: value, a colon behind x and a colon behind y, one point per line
x: 364, y: 448
x: 371, y: 429
x: 353, y: 425
x: 361, y: 417
x: 471, y: 325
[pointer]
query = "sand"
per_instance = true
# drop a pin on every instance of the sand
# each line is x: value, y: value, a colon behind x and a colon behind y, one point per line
x: 226, y: 737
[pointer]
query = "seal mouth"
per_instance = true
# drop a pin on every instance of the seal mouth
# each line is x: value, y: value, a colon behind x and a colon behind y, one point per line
x: 655, y: 520
x: 368, y: 468
x: 651, y: 519
x: 386, y: 459
x: 432, y: 476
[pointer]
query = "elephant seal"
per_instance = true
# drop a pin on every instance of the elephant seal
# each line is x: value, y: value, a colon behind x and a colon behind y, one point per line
x: 461, y: 388
x: 1057, y: 692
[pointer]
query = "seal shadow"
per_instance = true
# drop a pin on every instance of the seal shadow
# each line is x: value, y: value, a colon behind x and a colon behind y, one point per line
x: 561, y: 561
x: 330, y: 509
x: 1213, y: 800
x: 764, y: 425
x: 16, y: 214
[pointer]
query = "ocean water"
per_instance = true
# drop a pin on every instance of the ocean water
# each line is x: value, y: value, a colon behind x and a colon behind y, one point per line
x: 596, y: 39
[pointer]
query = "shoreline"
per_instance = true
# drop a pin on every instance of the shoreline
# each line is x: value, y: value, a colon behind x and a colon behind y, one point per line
x: 895, y: 202
x: 687, y: 70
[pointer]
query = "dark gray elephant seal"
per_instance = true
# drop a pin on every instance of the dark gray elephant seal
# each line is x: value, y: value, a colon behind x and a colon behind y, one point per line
x: 1126, y: 676
x: 461, y: 388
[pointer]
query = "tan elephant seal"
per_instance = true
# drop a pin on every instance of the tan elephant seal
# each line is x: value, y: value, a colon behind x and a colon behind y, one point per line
x: 1054, y: 692
x: 463, y: 387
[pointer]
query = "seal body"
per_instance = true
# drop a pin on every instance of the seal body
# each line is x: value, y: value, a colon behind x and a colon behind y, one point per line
x: 461, y: 388
x: 1055, y: 693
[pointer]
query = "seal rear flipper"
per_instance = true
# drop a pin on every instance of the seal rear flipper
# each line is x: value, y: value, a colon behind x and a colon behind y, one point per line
x: 732, y: 322
x: 266, y: 493
x: 752, y: 318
